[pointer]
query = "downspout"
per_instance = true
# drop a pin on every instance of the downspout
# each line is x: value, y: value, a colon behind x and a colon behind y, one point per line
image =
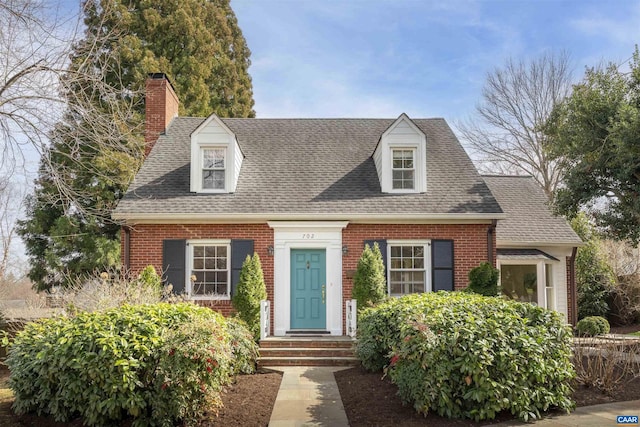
x: 572, y: 287
x: 490, y: 233
x: 126, y: 251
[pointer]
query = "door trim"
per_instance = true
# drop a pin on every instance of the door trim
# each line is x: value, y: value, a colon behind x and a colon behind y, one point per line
x: 325, y: 235
x: 308, y: 252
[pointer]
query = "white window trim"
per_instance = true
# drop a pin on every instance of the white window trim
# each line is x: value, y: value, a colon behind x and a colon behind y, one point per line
x: 207, y: 242
x: 541, y: 277
x: 414, y: 153
x: 428, y: 270
x: 199, y: 170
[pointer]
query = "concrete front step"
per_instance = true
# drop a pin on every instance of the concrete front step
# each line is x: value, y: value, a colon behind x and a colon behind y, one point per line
x: 307, y: 342
x: 307, y: 351
x: 307, y: 361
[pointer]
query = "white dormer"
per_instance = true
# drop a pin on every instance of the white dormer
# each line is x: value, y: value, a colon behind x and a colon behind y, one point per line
x: 216, y: 158
x: 401, y: 158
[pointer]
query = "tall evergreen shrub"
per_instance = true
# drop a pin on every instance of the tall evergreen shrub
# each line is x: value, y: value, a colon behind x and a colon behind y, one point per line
x: 369, y: 283
x: 251, y: 290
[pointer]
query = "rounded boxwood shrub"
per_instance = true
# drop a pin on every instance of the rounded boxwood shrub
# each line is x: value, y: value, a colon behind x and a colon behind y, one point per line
x: 463, y: 355
x: 483, y: 280
x: 106, y: 366
x: 592, y: 326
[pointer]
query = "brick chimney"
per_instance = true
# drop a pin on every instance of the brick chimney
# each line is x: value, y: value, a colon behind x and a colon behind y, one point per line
x: 161, y: 106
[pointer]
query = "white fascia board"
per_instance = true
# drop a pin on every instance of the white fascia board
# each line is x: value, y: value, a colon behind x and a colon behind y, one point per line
x: 184, y: 218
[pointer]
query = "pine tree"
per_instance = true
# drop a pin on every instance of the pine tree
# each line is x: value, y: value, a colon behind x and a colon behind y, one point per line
x: 97, y: 148
x: 250, y: 291
x: 369, y: 283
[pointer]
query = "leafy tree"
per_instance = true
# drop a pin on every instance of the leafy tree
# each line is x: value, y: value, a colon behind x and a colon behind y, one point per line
x: 596, y: 134
x: 369, y: 283
x: 483, y: 280
x: 506, y: 131
x: 251, y: 290
x: 97, y: 147
x: 594, y: 277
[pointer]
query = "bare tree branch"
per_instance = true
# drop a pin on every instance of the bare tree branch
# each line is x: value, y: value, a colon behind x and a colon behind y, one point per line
x: 506, y: 131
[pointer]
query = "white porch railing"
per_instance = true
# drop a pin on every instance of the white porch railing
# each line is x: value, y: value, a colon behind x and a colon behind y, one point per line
x: 352, y: 317
x: 265, y: 319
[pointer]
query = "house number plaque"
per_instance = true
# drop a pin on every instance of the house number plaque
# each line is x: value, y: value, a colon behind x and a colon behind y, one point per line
x: 308, y: 236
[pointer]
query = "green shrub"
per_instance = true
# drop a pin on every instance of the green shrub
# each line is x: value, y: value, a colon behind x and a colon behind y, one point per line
x: 369, y: 283
x: 594, y: 276
x: 467, y: 356
x: 483, y: 280
x: 104, y: 366
x: 149, y: 278
x: 244, y: 347
x: 194, y: 363
x: 251, y: 290
x: 592, y: 326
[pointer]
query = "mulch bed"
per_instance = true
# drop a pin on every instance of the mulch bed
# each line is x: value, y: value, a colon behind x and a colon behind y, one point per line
x: 247, y: 402
x: 370, y: 400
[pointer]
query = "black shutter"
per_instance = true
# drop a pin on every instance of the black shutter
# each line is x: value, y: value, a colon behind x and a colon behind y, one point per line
x: 382, y: 244
x: 442, y: 265
x: 239, y: 251
x: 174, y: 254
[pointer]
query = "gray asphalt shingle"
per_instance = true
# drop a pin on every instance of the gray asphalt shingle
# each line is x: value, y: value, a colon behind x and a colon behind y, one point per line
x: 307, y: 166
x: 529, y: 217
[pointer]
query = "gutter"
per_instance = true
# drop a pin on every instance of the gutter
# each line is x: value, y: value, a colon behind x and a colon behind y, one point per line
x: 572, y: 287
x: 362, y: 218
x: 490, y: 232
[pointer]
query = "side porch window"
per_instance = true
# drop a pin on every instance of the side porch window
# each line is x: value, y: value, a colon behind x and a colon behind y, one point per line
x: 528, y: 282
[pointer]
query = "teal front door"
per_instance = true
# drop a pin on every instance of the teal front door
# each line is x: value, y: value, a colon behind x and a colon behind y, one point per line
x: 308, y: 289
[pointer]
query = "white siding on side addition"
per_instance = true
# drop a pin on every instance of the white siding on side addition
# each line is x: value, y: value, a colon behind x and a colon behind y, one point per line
x: 403, y: 135
x: 214, y: 134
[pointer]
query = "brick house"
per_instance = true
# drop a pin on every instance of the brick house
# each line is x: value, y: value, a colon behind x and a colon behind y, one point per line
x: 308, y: 194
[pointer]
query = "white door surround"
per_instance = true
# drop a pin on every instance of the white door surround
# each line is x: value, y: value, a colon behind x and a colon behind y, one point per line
x: 289, y: 235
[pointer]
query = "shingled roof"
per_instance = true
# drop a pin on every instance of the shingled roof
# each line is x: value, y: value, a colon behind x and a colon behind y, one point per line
x: 299, y: 167
x: 529, y: 218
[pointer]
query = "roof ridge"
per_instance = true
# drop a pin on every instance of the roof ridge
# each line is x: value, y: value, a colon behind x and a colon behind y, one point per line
x: 311, y: 118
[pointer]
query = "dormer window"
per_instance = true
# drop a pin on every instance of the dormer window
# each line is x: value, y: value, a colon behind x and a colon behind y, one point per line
x: 403, y: 169
x: 213, y: 168
x: 216, y: 158
x: 401, y: 158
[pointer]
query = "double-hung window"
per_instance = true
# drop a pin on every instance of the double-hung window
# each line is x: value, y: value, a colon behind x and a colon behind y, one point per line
x: 213, y: 168
x: 209, y: 264
x: 408, y: 268
x: 403, y: 169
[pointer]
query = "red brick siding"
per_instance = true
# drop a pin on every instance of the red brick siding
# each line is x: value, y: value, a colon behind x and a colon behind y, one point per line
x: 470, y: 246
x: 146, y: 248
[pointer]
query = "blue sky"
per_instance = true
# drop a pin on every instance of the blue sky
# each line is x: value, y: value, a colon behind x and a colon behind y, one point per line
x: 379, y: 58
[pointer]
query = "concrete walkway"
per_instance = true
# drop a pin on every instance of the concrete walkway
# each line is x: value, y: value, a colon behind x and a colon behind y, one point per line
x: 586, y: 416
x: 308, y: 396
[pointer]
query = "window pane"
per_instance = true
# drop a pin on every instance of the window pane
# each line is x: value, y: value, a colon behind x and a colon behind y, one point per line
x: 213, y: 179
x: 198, y: 263
x: 210, y: 251
x: 395, y: 251
x: 210, y: 264
x: 520, y: 282
x: 198, y: 251
x: 213, y: 158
